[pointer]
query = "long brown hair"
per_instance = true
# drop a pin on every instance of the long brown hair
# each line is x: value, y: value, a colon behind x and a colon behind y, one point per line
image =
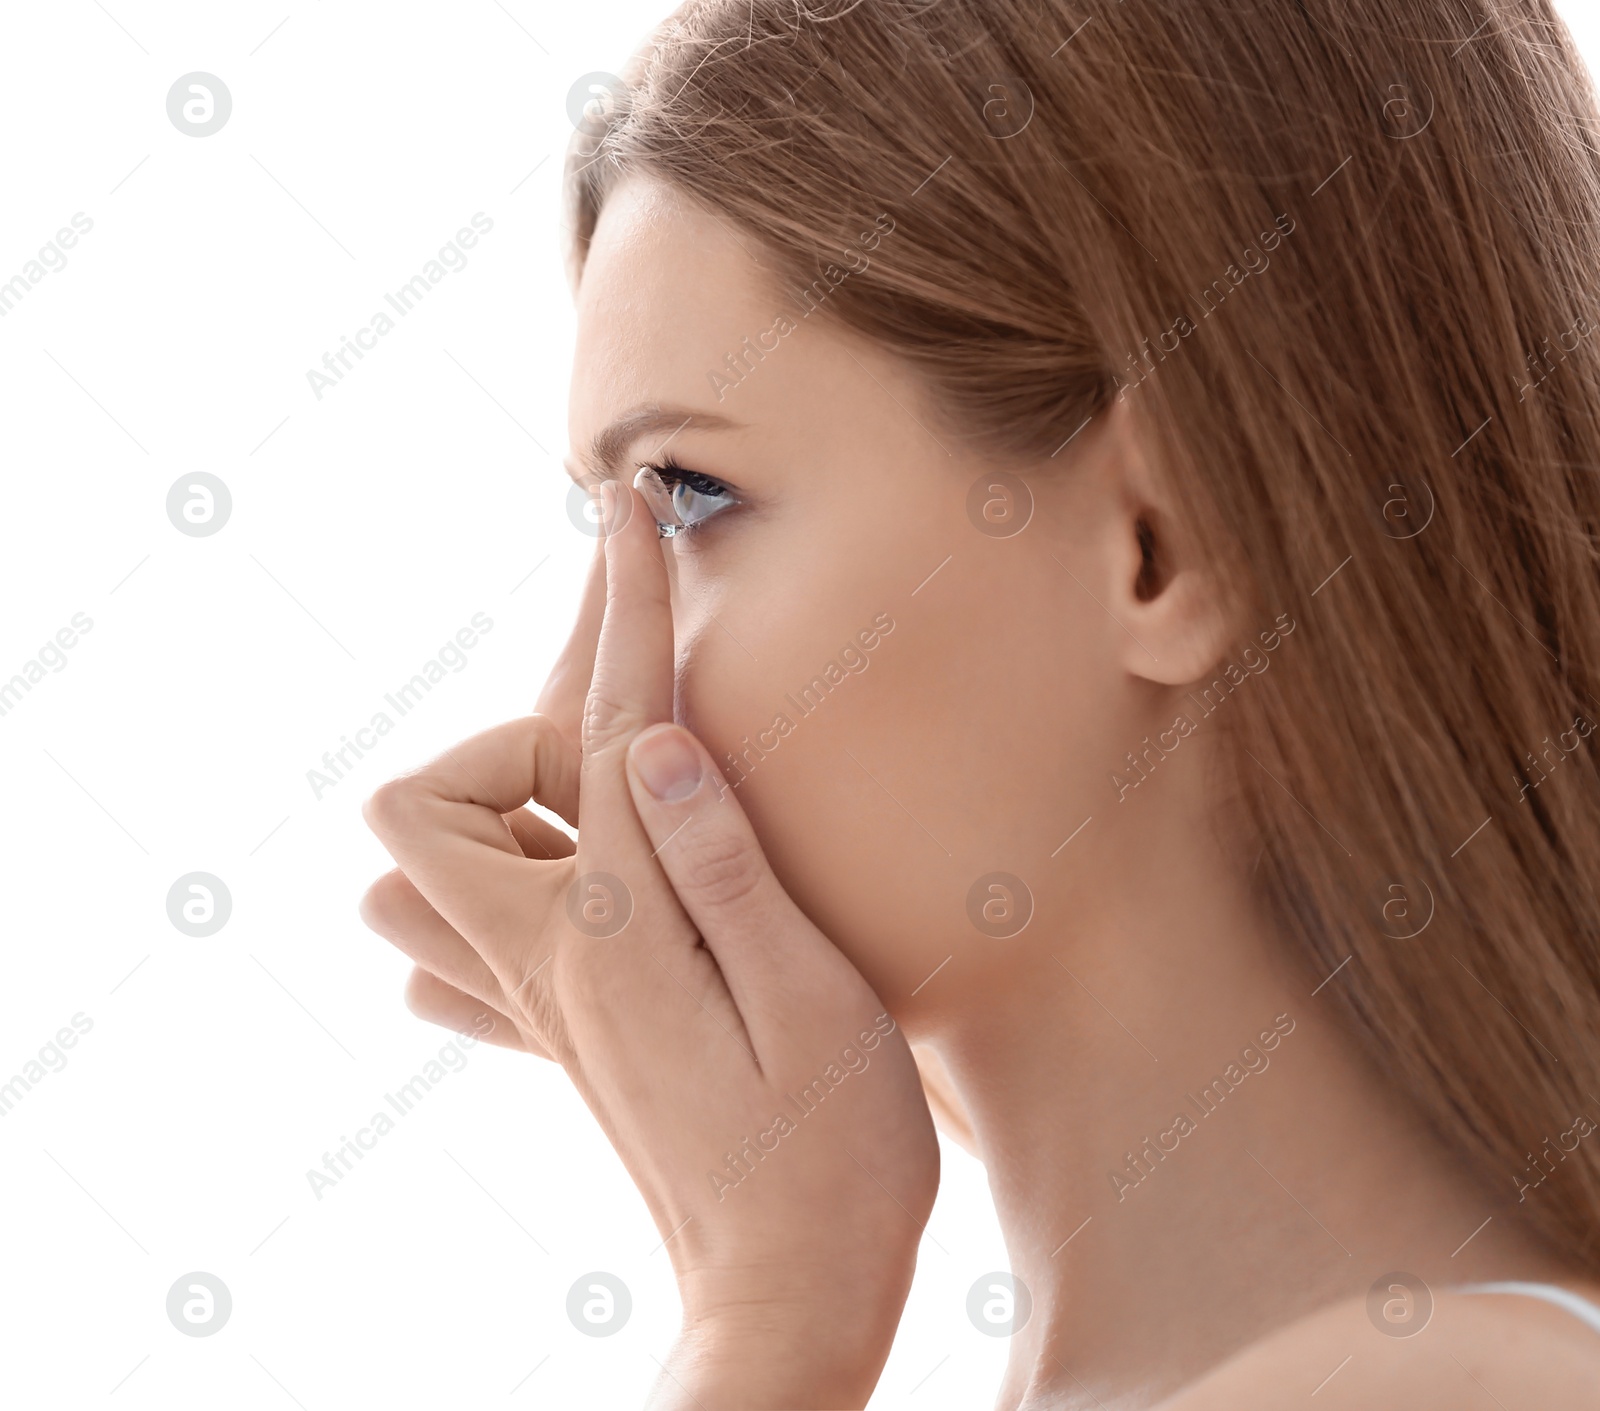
x: 1341, y: 255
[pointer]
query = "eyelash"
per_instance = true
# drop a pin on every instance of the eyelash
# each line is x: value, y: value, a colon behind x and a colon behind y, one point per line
x: 672, y: 473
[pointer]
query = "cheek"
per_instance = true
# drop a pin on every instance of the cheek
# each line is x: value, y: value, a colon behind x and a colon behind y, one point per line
x: 964, y: 747
x: 726, y: 695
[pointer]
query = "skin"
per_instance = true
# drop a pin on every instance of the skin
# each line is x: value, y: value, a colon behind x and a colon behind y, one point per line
x: 980, y: 737
x: 691, y: 1022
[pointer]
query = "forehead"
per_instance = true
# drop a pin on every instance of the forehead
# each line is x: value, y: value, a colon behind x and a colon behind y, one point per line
x: 668, y: 292
x: 677, y: 308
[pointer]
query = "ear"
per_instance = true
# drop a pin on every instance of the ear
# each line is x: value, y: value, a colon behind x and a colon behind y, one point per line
x: 1173, y: 604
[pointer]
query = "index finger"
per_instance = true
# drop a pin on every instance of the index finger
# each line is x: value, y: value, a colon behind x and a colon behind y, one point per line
x: 631, y: 686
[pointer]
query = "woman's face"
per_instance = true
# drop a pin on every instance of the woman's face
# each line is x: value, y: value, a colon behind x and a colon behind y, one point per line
x: 904, y: 702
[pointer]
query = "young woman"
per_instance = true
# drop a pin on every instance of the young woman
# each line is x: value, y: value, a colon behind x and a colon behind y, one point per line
x: 1111, y: 598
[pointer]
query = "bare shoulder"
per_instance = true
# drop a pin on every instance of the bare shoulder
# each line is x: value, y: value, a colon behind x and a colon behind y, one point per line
x: 1458, y: 1350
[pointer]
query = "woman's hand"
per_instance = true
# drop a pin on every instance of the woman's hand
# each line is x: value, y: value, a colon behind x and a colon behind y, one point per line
x: 766, y: 1106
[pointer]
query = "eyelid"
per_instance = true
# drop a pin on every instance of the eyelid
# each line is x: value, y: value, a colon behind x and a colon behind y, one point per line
x: 672, y: 472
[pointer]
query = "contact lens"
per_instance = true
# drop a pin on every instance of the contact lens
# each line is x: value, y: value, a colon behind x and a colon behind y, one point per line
x: 659, y: 498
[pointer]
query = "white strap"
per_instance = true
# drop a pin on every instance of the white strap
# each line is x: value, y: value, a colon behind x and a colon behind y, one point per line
x: 1575, y: 1304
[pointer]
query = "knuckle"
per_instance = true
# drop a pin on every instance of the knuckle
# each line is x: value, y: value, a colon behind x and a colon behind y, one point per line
x: 607, y: 720
x: 421, y: 993
x: 542, y: 728
x: 555, y: 756
x: 389, y: 807
x: 387, y: 901
x: 721, y: 869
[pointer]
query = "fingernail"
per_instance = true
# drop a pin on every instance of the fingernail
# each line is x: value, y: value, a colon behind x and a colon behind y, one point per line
x: 608, y: 505
x: 668, y: 763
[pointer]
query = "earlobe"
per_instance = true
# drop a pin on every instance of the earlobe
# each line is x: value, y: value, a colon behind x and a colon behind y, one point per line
x: 1183, y: 629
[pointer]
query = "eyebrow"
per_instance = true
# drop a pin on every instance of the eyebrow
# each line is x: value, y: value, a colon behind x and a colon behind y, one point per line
x: 606, y: 451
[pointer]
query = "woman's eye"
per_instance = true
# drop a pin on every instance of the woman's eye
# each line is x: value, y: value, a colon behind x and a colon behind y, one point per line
x: 681, y: 499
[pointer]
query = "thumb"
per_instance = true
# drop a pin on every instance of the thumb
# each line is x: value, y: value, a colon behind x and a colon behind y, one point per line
x: 700, y: 836
x: 770, y: 954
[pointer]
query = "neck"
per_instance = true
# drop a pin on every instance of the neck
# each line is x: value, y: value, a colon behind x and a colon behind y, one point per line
x: 1185, y: 1148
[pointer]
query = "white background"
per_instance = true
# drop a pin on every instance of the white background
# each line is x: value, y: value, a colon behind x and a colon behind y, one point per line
x: 367, y: 528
